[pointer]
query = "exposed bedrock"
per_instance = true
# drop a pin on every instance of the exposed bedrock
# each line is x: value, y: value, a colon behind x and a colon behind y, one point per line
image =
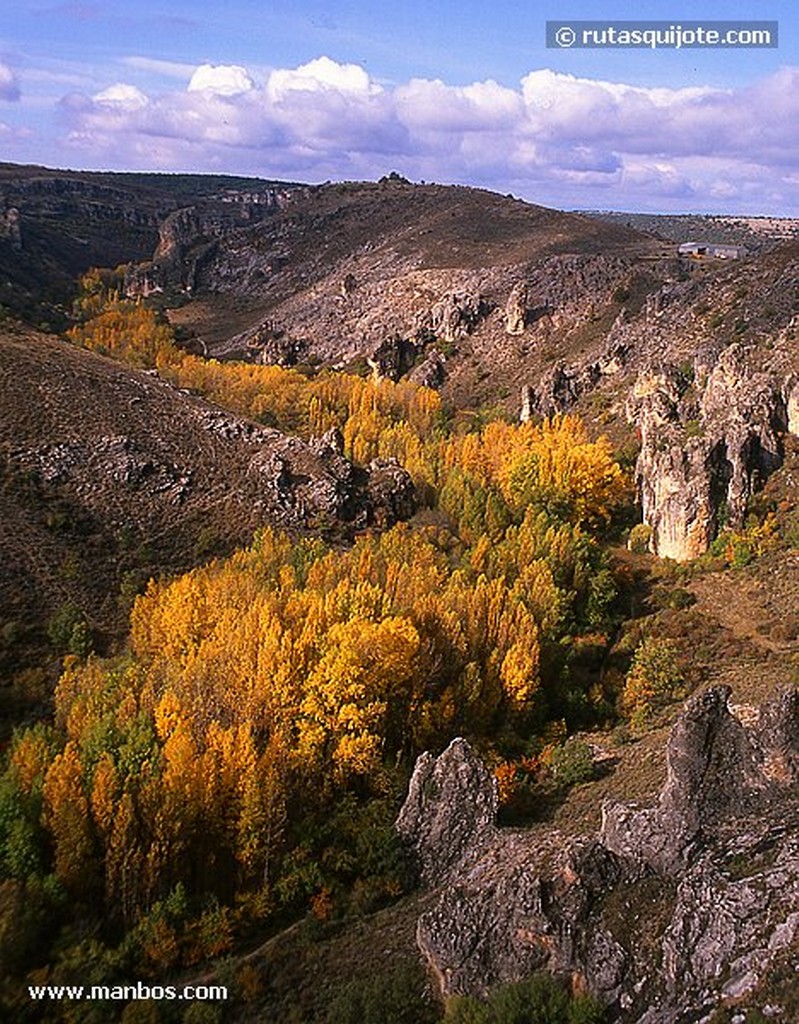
x: 671, y: 910
x: 710, y: 435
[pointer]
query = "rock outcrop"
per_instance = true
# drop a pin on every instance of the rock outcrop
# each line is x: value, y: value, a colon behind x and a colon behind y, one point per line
x: 393, y: 357
x: 10, y: 226
x: 709, y: 438
x: 451, y: 808
x: 431, y: 372
x: 456, y: 315
x: 670, y: 911
x: 516, y: 309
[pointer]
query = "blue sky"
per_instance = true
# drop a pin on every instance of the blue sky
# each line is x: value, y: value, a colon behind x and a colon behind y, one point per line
x: 440, y: 90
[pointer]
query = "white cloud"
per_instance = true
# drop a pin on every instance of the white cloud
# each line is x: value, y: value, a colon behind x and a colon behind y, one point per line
x: 221, y: 80
x: 427, y: 105
x: 556, y: 138
x: 9, y: 86
x: 320, y: 76
x: 122, y: 96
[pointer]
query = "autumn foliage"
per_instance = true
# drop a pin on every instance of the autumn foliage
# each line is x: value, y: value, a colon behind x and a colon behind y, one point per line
x: 248, y: 749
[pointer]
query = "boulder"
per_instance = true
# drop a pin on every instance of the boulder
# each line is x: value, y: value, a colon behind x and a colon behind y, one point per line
x: 451, y: 807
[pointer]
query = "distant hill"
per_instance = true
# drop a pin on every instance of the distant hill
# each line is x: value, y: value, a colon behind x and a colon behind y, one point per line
x: 758, y: 234
x: 55, y: 224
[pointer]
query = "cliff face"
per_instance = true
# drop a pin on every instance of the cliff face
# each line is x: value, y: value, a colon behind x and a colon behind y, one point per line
x: 669, y: 912
x: 708, y: 440
x: 188, y: 240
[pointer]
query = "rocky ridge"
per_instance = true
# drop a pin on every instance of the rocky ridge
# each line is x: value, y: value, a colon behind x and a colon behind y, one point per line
x: 669, y: 912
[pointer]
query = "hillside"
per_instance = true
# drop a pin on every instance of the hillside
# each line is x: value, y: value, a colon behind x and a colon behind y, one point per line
x: 110, y: 476
x: 419, y: 278
x: 426, y: 560
x: 54, y: 225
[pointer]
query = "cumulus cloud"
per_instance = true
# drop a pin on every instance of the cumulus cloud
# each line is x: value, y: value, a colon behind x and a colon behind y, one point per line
x: 321, y: 76
x: 9, y: 87
x: 555, y: 138
x: 122, y: 96
x: 221, y: 80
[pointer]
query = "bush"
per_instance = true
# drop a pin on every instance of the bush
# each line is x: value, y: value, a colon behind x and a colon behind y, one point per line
x: 677, y: 599
x: 572, y: 762
x: 640, y: 536
x: 397, y: 995
x: 654, y: 680
x: 69, y: 632
x: 537, y: 1000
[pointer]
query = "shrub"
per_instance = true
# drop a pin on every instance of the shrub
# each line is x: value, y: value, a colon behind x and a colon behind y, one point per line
x: 397, y: 995
x: 537, y: 1000
x: 69, y: 632
x: 654, y: 680
x: 639, y: 539
x: 572, y: 762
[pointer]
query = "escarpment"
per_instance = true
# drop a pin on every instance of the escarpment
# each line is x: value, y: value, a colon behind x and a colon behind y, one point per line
x: 670, y: 911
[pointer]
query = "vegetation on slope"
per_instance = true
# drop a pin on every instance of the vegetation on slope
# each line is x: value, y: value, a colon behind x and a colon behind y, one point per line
x: 243, y: 761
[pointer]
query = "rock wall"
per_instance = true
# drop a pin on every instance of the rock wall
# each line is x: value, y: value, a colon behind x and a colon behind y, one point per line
x: 709, y: 438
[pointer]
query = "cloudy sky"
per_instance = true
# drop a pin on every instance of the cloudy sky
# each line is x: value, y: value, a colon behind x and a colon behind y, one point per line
x: 440, y: 90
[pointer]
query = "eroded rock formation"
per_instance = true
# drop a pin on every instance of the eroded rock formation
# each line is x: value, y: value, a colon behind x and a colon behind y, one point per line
x: 456, y: 315
x: 670, y: 911
x: 709, y: 438
x: 451, y: 808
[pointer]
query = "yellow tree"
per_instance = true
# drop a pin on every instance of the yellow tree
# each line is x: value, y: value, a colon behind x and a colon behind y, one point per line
x: 66, y: 814
x: 366, y: 667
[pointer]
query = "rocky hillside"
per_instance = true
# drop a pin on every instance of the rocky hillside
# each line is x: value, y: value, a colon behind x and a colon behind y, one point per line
x: 488, y: 299
x: 493, y: 301
x: 461, y: 288
x: 110, y: 475
x: 498, y: 302
x: 54, y: 225
x: 670, y: 911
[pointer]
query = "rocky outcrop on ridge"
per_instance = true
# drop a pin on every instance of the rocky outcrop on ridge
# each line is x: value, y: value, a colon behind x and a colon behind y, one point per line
x: 450, y: 810
x: 669, y: 912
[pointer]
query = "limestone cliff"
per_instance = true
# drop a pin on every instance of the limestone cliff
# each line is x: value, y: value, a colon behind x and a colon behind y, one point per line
x: 710, y: 435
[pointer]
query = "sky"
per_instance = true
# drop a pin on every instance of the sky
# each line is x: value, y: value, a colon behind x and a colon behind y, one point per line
x: 452, y: 91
